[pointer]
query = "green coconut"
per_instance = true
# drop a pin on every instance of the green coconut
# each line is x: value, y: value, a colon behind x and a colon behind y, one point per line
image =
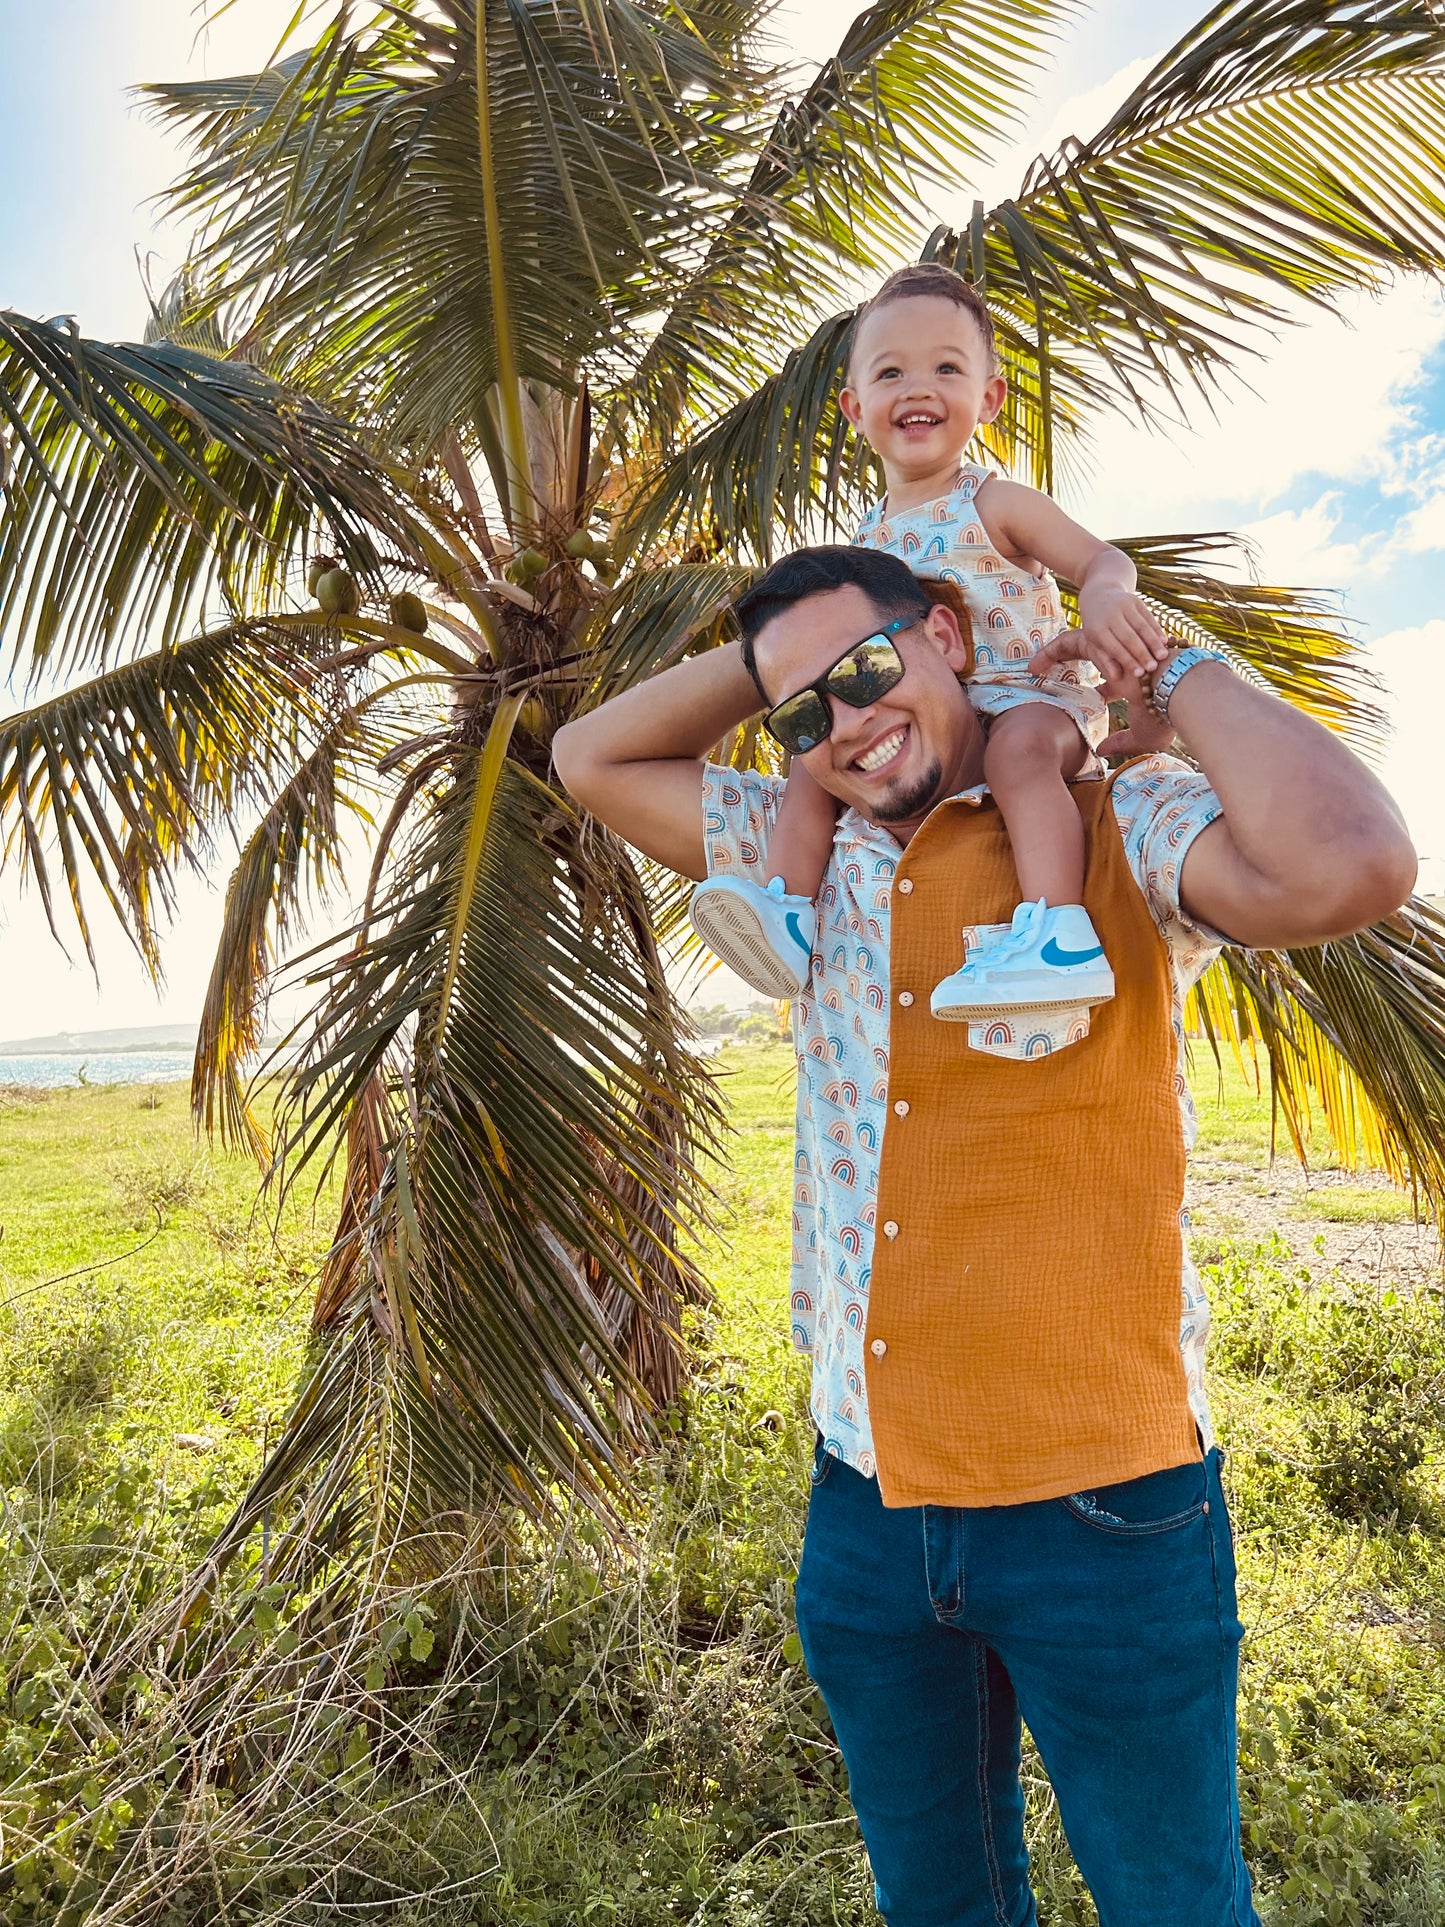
x: 338, y: 593
x: 579, y: 545
x: 408, y: 611
x: 531, y: 563
x: 532, y: 716
x: 319, y: 566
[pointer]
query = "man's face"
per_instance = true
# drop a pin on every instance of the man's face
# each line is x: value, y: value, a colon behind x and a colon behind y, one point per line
x: 898, y: 757
x: 920, y: 381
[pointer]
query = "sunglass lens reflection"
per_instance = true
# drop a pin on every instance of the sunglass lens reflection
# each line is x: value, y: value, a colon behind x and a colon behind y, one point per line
x: 868, y: 673
x: 802, y: 726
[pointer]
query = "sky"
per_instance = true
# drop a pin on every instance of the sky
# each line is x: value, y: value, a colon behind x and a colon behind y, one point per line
x: 1331, y: 457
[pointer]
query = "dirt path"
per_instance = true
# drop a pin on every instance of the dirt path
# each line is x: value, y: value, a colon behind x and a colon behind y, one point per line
x: 1235, y: 1200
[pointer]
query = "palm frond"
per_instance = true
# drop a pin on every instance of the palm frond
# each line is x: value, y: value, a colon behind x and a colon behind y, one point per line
x: 781, y: 464
x: 1354, y: 1030
x: 138, y: 481
x: 917, y: 90
x: 524, y: 1236
x: 121, y: 781
x: 295, y: 851
x: 343, y: 188
x: 1280, y: 154
x: 653, y: 619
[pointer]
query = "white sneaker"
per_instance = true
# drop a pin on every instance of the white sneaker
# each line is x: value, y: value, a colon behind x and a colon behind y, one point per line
x: 765, y: 935
x: 1047, y: 958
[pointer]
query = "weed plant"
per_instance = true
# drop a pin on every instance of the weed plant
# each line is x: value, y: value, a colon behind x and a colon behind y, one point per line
x: 556, y: 1732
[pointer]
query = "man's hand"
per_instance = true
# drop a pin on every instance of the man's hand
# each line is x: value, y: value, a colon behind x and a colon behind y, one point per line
x: 1145, y: 734
x: 1117, y: 632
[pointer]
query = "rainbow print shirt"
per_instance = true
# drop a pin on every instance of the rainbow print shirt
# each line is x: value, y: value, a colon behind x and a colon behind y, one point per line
x: 1014, y: 613
x: 841, y: 1035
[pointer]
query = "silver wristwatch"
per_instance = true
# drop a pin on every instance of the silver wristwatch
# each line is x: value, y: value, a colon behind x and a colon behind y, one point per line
x: 1162, y: 685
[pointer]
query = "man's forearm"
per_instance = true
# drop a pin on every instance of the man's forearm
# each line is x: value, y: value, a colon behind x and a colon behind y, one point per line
x: 636, y: 762
x: 680, y: 713
x: 1315, y: 846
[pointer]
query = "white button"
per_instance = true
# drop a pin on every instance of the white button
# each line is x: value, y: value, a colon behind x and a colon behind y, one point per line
x: 905, y: 887
x: 905, y: 997
x: 890, y: 1230
x: 901, y: 1107
x: 878, y: 1348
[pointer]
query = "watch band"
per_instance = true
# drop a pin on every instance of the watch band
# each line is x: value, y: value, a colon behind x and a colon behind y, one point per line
x: 1162, y: 686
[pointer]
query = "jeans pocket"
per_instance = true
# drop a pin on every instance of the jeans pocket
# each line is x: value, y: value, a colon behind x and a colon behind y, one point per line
x: 1159, y: 1502
x: 823, y: 1463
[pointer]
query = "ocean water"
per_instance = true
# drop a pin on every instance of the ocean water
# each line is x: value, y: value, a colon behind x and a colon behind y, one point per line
x: 71, y: 1068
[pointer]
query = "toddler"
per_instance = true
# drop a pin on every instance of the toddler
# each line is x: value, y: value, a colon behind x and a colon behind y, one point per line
x: 923, y: 375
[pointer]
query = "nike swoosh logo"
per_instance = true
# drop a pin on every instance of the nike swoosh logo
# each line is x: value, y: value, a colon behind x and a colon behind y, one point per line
x: 1056, y: 958
x: 791, y: 920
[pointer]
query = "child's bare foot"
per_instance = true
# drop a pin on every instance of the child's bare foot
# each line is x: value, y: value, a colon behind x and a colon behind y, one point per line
x: 1145, y: 733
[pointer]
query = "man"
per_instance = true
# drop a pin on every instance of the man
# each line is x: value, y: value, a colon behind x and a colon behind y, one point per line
x: 1017, y: 1508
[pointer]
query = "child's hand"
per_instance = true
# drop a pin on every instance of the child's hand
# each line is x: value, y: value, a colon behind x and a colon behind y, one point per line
x: 1118, y: 634
x: 1121, y: 680
x: 1120, y: 631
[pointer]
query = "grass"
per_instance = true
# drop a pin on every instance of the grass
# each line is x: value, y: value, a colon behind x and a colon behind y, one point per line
x: 145, y: 1296
x: 1348, y: 1204
x: 557, y: 1734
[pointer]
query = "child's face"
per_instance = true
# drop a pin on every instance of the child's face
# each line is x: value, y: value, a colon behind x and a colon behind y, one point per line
x: 919, y: 384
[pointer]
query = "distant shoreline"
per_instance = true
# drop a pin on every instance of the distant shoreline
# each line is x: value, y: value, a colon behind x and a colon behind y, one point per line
x: 94, y: 1050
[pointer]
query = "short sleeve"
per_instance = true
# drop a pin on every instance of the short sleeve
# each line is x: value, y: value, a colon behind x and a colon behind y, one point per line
x: 1161, y: 805
x: 739, y: 809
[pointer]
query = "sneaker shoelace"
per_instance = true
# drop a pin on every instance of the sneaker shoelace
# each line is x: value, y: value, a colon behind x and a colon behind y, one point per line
x: 1020, y: 933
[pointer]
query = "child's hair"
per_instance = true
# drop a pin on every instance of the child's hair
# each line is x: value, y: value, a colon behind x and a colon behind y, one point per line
x: 946, y: 284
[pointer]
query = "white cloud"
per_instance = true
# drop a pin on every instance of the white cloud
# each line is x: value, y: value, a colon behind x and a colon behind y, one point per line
x: 1337, y: 400
x: 1299, y: 546
x: 1423, y: 529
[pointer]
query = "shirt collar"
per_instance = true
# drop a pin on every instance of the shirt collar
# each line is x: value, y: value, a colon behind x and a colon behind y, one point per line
x: 860, y: 832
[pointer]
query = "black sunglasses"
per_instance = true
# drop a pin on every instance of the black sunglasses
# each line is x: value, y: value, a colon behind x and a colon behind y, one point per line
x: 863, y: 673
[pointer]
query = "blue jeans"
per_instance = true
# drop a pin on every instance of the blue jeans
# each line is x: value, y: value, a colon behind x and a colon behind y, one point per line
x: 1107, y: 1620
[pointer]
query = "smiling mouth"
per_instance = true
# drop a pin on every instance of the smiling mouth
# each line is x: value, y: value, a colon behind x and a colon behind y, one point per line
x: 919, y: 421
x: 882, y: 752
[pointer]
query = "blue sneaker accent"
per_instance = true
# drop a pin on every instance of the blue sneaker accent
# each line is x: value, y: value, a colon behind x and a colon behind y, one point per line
x: 1061, y: 959
x: 762, y: 933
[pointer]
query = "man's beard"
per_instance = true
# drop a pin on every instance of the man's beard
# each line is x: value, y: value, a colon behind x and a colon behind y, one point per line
x: 900, y: 804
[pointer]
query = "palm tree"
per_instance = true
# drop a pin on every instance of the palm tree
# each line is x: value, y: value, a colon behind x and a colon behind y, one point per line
x: 491, y: 339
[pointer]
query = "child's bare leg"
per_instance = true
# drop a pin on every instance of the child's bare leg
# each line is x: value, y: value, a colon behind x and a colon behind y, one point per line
x: 1050, y: 956
x: 1031, y: 753
x: 802, y: 838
